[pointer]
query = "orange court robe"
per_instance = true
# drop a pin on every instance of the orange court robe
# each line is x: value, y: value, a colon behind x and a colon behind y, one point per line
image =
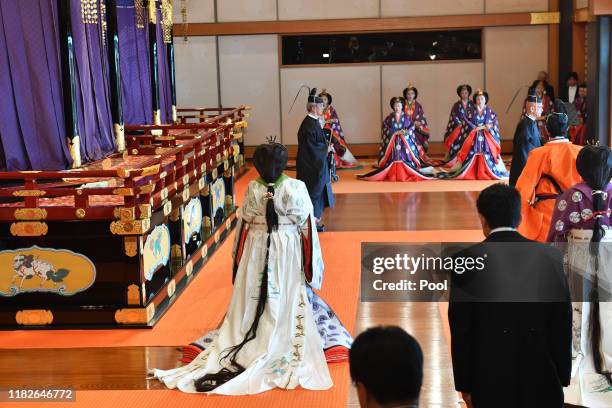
x: 556, y: 160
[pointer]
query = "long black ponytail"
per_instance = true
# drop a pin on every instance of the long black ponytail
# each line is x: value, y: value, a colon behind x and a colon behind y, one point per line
x: 270, y: 160
x: 594, y: 164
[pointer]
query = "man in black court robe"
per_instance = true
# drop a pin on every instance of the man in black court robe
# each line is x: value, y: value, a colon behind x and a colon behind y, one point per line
x: 312, y: 166
x: 526, y: 137
x: 511, y: 322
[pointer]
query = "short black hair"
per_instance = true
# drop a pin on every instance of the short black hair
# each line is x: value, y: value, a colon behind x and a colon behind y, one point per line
x: 573, y: 74
x: 500, y: 205
x: 389, y: 363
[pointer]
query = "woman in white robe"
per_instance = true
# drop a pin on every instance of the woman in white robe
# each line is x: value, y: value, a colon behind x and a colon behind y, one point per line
x: 269, y: 337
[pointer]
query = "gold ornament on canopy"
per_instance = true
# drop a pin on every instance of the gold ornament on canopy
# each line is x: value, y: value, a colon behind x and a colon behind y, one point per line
x: 167, y: 14
x: 104, y: 27
x: 139, y: 11
x: 152, y: 12
x: 184, y: 19
x: 89, y: 11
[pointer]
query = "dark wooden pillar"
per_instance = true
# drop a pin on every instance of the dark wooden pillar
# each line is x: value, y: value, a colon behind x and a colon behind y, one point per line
x: 566, y: 8
x: 115, y: 73
x: 68, y: 82
x: 598, y: 69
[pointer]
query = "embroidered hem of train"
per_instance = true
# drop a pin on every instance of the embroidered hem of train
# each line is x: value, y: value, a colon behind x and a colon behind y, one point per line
x: 401, y: 161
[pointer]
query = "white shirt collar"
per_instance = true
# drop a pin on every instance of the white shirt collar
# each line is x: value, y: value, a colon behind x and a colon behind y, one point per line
x: 502, y: 229
x: 532, y: 117
x: 558, y: 140
x: 572, y: 90
x: 313, y: 116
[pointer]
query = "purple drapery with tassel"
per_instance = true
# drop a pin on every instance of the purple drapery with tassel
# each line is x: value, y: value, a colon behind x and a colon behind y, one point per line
x: 92, y: 84
x: 135, y: 71
x: 32, y: 129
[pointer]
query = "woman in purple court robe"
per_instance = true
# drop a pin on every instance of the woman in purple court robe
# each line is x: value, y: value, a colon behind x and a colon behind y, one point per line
x: 458, y: 116
x: 581, y: 222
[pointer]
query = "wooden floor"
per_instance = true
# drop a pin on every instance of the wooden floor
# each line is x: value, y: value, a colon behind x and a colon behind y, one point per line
x: 403, y: 211
x: 125, y: 368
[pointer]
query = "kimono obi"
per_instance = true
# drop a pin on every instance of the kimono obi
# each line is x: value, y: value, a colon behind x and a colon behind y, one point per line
x: 585, y: 235
x: 259, y: 223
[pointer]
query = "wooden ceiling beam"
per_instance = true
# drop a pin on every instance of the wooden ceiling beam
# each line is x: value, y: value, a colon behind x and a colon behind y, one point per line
x: 365, y: 25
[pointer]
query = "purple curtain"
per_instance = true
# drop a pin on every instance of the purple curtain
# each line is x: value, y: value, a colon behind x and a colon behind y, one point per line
x: 165, y: 87
x: 135, y: 71
x: 92, y: 84
x: 32, y: 130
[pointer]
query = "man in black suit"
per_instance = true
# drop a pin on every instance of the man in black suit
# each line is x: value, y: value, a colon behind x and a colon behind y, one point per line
x: 311, y: 162
x: 569, y: 92
x: 510, y: 322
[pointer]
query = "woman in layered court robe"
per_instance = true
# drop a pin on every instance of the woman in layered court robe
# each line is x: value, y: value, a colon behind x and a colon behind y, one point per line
x: 538, y: 88
x: 414, y: 110
x: 401, y: 155
x: 343, y: 156
x: 549, y: 171
x: 457, y: 117
x: 578, y: 131
x: 582, y: 224
x: 276, y: 328
x: 476, y: 153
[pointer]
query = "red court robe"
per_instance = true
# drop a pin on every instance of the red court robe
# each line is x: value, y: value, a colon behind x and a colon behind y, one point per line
x: 550, y: 170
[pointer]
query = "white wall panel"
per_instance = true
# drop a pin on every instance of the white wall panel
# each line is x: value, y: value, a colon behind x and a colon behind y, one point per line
x: 514, y: 55
x: 326, y: 9
x: 249, y: 76
x: 515, y: 6
x: 356, y: 96
x: 403, y: 8
x: 246, y: 10
x: 437, y: 84
x: 198, y: 11
x: 196, y: 72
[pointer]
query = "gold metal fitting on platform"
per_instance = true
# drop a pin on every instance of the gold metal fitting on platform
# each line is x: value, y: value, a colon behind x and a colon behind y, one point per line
x: 120, y: 137
x: 29, y: 229
x: 125, y: 213
x: 34, y: 317
x: 133, y: 295
x: 136, y: 227
x: 30, y: 214
x: 130, y: 245
x: 74, y: 147
x: 29, y: 193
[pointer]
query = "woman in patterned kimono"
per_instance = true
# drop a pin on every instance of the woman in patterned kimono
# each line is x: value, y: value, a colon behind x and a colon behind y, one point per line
x: 401, y: 155
x: 578, y: 132
x: 476, y: 154
x: 582, y: 222
x: 457, y: 117
x: 342, y: 154
x: 539, y: 88
x: 415, y: 113
x: 276, y: 328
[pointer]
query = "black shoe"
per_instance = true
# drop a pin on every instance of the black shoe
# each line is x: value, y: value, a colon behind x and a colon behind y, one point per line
x: 321, y: 228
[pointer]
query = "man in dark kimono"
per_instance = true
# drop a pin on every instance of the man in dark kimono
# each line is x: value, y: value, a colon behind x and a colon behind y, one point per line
x: 511, y: 322
x: 312, y: 166
x: 526, y: 137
